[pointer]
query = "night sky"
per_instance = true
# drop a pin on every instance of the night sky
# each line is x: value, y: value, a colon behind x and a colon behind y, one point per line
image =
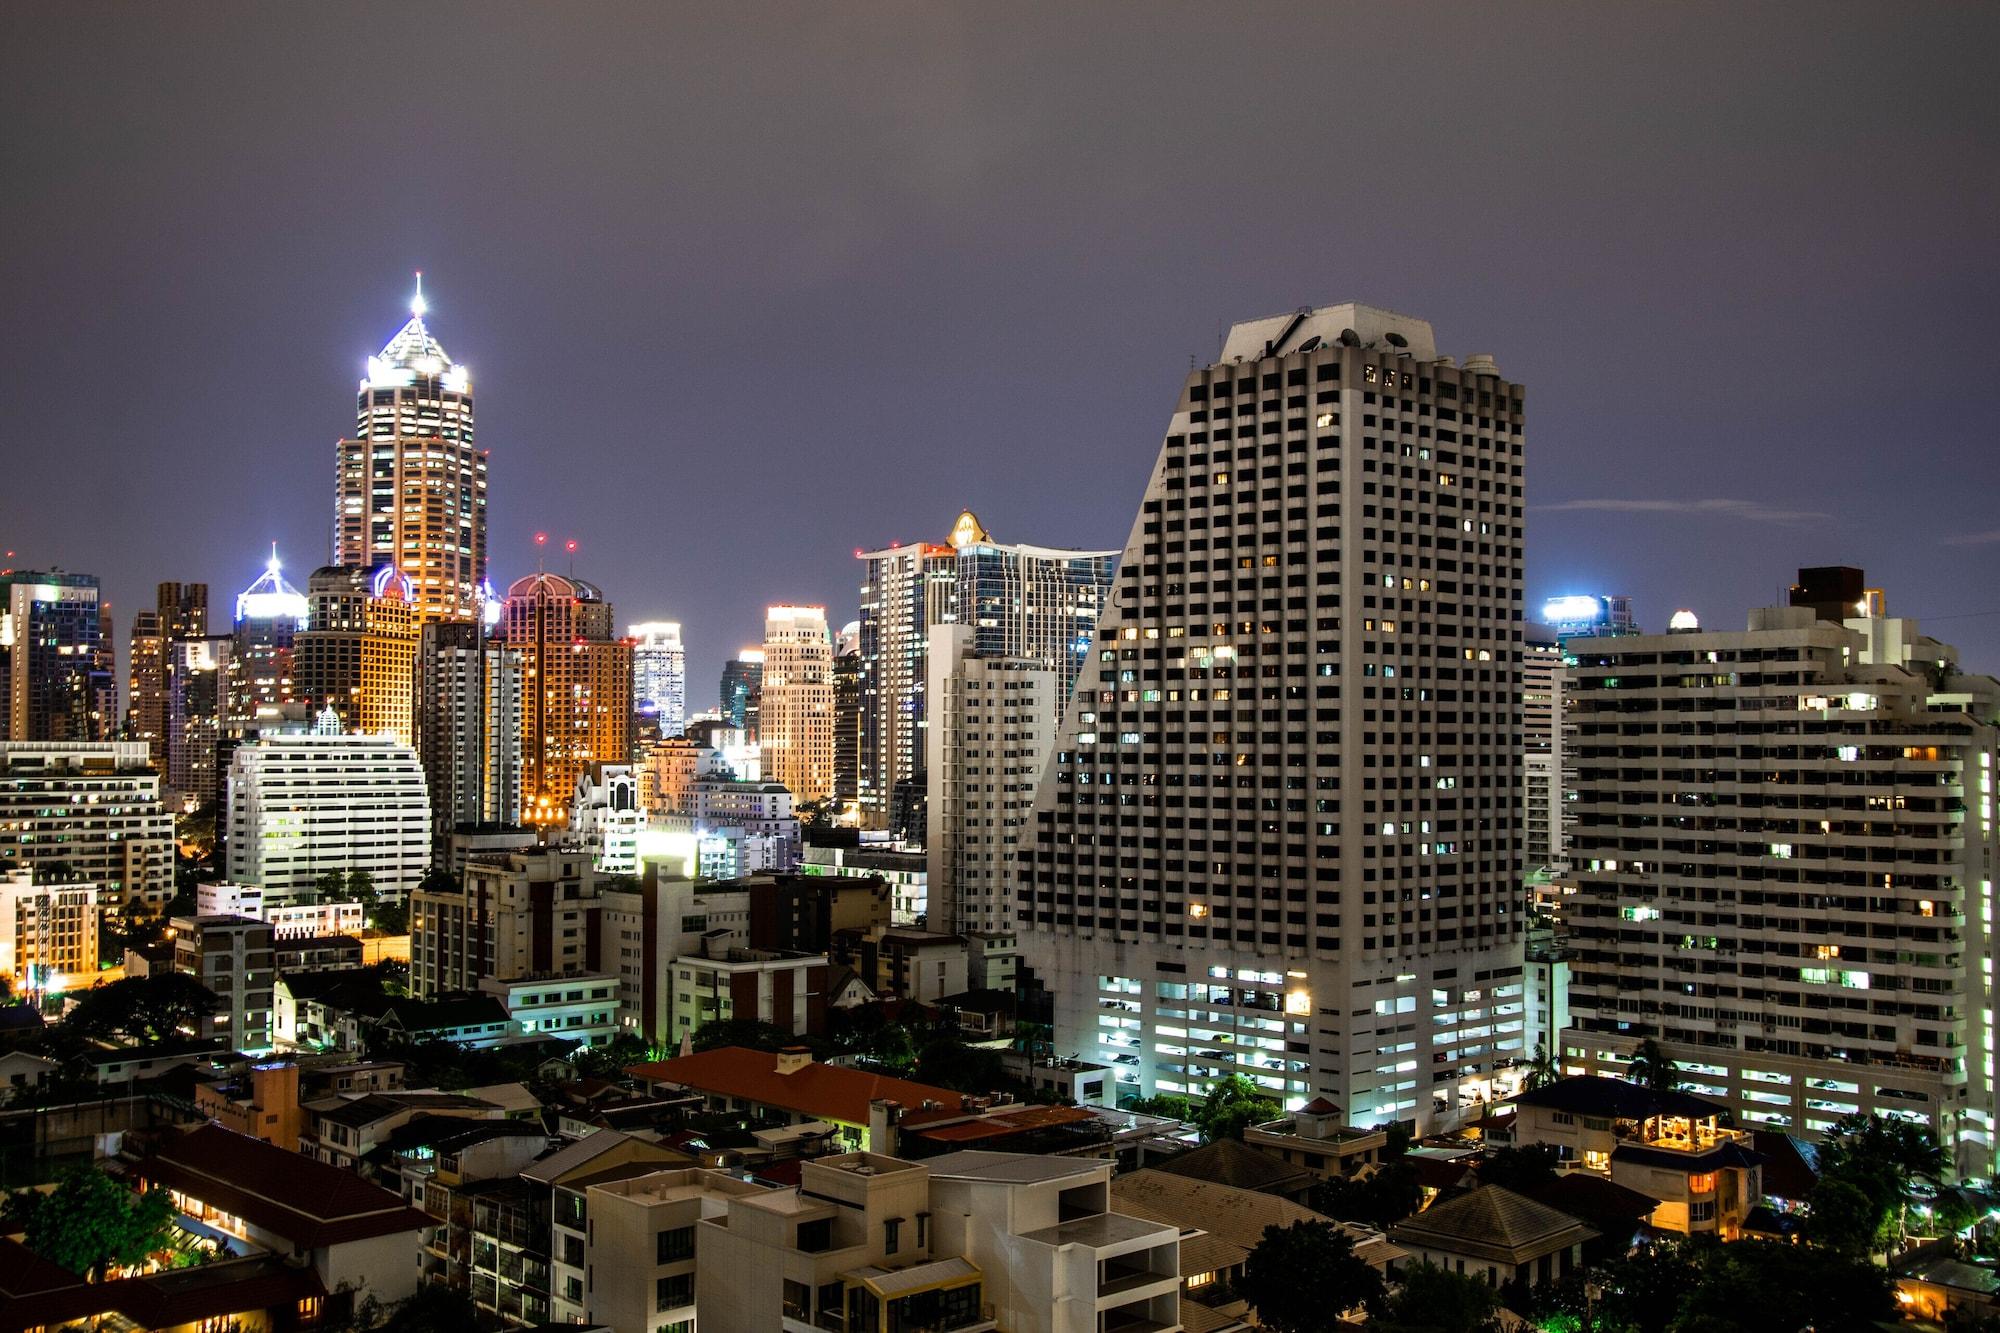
x: 745, y: 288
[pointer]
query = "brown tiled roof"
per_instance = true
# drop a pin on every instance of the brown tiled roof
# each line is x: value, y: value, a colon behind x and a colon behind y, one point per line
x: 308, y: 1203
x: 1586, y: 1195
x: 1492, y: 1223
x: 823, y: 1092
x: 34, y: 1292
x: 1232, y: 1162
x: 1002, y: 1124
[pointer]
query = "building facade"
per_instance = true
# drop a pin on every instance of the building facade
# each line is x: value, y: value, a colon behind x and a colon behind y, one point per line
x: 410, y: 488
x: 269, y: 615
x: 659, y: 673
x: 92, y: 807
x: 60, y: 679
x: 795, y: 707
x: 298, y: 806
x: 578, y: 705
x: 992, y: 729
x: 48, y: 933
x: 742, y: 690
x: 468, y: 720
x: 180, y: 611
x: 1783, y: 863
x: 1280, y: 835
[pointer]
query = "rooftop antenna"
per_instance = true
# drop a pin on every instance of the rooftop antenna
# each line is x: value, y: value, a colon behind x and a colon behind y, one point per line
x: 418, y: 307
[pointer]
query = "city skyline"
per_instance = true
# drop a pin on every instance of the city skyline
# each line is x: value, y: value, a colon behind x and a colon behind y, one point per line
x: 1735, y: 227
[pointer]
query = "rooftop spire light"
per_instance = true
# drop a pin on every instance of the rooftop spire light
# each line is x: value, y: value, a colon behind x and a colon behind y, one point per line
x: 418, y: 307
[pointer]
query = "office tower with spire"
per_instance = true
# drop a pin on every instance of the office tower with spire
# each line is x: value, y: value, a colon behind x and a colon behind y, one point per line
x: 411, y: 486
x: 269, y: 615
x: 577, y: 709
x: 659, y: 674
x: 1280, y: 834
x: 60, y: 681
x: 1020, y: 601
x: 795, y: 711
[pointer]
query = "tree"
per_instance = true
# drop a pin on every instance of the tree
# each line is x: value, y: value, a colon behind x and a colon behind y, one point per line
x: 748, y: 1032
x: 1232, y: 1104
x: 1643, y: 1290
x: 1843, y: 1219
x: 329, y: 885
x: 147, y: 1010
x: 1435, y: 1300
x: 1382, y: 1198
x: 947, y: 1062
x: 1172, y: 1105
x: 433, y: 1309
x: 90, y: 1222
x: 1882, y: 1159
x: 1542, y: 1069
x: 1298, y: 1277
x: 1752, y: 1286
x: 611, y: 1059
x: 1651, y: 1068
x: 1523, y: 1169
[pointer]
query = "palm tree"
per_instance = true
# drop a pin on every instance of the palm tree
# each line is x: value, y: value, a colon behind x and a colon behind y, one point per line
x: 1542, y: 1070
x: 1651, y: 1068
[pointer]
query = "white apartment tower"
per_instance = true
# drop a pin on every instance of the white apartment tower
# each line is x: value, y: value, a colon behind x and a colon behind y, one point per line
x: 410, y: 488
x: 1783, y: 859
x: 1280, y: 835
x: 1544, y: 735
x: 301, y: 805
x: 795, y: 710
x: 659, y: 673
x: 93, y: 807
x: 992, y: 729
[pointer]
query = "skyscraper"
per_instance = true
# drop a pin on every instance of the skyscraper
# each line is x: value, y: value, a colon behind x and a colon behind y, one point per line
x: 795, y: 714
x: 1021, y: 601
x: 410, y: 487
x: 299, y: 806
x: 60, y: 683
x: 1784, y: 857
x: 180, y: 611
x: 907, y: 590
x: 577, y: 708
x: 469, y: 711
x: 389, y: 658
x: 659, y: 673
x: 1280, y: 834
x: 326, y: 655
x: 847, y: 718
x: 269, y: 615
x: 742, y: 684
x: 197, y: 710
x: 1544, y: 736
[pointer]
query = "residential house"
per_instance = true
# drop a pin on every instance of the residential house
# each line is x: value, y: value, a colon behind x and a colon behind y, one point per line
x: 1493, y: 1233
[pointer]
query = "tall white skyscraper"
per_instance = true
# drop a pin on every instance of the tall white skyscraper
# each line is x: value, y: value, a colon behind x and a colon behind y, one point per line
x: 659, y: 673
x: 1544, y: 735
x: 1784, y: 858
x: 1280, y: 835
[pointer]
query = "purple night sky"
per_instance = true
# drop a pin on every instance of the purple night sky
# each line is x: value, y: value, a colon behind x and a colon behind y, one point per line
x: 743, y: 288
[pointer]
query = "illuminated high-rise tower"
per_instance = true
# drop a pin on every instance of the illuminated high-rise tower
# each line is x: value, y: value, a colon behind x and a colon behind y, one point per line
x: 410, y: 489
x: 577, y: 696
x: 795, y: 707
x: 1280, y: 836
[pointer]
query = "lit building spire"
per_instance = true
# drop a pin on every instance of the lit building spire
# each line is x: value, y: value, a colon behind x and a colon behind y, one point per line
x: 418, y: 308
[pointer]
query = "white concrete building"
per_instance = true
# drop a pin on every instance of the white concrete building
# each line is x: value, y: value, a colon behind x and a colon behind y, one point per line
x: 287, y: 921
x: 639, y: 1251
x: 1544, y: 814
x: 1784, y: 862
x: 576, y: 1006
x: 907, y: 872
x: 605, y: 818
x: 1280, y: 837
x: 95, y: 806
x: 970, y: 1241
x: 991, y: 732
x: 302, y: 805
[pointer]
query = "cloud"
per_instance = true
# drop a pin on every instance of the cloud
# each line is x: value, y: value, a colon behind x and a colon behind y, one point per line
x: 1986, y: 538
x: 1750, y: 511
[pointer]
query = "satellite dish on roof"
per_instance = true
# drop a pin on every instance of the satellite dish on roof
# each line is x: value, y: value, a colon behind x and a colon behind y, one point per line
x: 1349, y: 338
x: 1395, y: 340
x: 1310, y: 345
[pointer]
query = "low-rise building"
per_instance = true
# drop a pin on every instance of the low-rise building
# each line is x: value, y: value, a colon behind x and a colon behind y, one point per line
x: 906, y: 871
x: 971, y: 1241
x: 261, y: 1102
x: 1316, y: 1138
x: 639, y: 1251
x: 306, y: 916
x: 48, y: 933
x: 576, y: 1006
x: 1671, y: 1146
x: 1493, y: 1233
x: 786, y: 990
x: 353, y: 1235
x: 905, y: 963
x: 790, y: 1087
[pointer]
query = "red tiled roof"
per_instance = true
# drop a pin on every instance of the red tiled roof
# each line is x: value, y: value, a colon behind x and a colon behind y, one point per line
x: 308, y: 1203
x: 822, y: 1092
x: 1320, y: 1106
x: 1023, y: 1121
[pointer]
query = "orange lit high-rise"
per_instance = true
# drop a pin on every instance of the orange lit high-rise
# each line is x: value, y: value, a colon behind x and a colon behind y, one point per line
x: 577, y: 705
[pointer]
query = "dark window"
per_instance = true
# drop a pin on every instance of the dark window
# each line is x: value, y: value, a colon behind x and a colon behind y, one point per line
x: 676, y: 1245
